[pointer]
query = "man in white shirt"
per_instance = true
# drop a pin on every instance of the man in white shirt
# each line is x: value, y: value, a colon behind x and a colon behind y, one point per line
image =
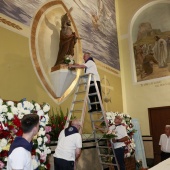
x: 69, y: 147
x: 119, y: 145
x: 19, y: 155
x: 165, y: 143
x: 90, y: 67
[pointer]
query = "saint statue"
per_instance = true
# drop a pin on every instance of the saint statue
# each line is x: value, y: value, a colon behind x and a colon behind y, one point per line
x: 68, y: 39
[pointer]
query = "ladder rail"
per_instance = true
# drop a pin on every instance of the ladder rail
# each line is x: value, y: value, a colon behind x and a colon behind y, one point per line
x: 85, y: 102
x: 106, y: 147
x: 106, y: 124
x: 72, y: 106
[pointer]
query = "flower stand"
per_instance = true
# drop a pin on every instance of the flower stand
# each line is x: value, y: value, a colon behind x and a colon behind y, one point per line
x: 130, y: 163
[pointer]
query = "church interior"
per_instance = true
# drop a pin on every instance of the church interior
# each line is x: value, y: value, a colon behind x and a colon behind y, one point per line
x: 123, y: 37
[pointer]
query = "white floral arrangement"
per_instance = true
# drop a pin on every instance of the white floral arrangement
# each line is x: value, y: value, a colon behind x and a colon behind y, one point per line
x: 68, y: 59
x: 127, y: 122
x: 10, y: 126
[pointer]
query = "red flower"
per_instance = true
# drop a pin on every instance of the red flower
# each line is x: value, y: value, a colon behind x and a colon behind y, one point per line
x: 20, y: 132
x: 33, y: 152
x: 48, y: 166
x: 16, y: 121
x: 5, y: 134
x: 4, y: 153
x: 10, y: 127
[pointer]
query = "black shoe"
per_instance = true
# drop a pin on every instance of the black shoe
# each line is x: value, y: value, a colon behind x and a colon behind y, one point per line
x: 92, y: 110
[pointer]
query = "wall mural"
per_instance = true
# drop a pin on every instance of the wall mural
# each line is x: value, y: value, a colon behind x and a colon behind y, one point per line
x: 95, y: 21
x: 151, y: 42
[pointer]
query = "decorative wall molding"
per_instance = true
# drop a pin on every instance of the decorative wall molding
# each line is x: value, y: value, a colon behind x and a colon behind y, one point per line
x: 9, y: 23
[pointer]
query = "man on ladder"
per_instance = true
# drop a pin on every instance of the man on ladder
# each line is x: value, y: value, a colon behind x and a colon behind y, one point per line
x: 90, y: 67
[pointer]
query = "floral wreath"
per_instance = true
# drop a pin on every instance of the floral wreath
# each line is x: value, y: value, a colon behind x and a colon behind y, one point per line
x: 127, y: 122
x: 10, y: 126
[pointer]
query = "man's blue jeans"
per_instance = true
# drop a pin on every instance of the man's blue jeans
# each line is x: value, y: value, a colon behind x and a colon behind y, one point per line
x: 119, y: 152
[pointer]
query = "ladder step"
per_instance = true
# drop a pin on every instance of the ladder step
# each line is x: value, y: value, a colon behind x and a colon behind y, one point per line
x: 94, y: 103
x: 104, y: 163
x: 92, y: 94
x: 100, y: 129
x: 82, y: 83
x: 80, y: 92
x: 104, y: 147
x: 77, y: 101
x: 96, y: 111
x: 103, y: 155
x: 99, y: 120
x: 92, y: 85
x: 78, y: 110
x: 84, y: 75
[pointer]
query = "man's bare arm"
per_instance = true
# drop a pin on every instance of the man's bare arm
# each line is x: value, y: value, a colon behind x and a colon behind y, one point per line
x: 80, y: 66
x: 124, y: 139
x: 78, y: 153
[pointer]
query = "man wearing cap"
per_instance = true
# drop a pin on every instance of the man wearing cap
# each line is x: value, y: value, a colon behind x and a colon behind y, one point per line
x: 118, y: 142
x: 90, y: 67
x: 69, y: 146
x: 165, y: 143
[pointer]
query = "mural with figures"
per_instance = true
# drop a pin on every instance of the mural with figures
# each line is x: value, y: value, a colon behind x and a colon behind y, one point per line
x: 151, y: 42
x: 95, y: 21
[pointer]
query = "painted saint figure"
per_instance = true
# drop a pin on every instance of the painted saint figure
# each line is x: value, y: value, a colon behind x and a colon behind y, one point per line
x: 168, y: 49
x: 68, y: 39
x: 160, y: 51
x: 162, y: 60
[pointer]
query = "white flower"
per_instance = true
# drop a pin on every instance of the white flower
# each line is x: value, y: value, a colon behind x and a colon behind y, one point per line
x: 4, y: 108
x: 26, y: 112
x: 1, y: 108
x: 42, y: 123
x: 3, y: 142
x: 45, y: 139
x: 10, y: 116
x: 20, y: 110
x: 14, y: 110
x: 20, y: 115
x: 47, y: 150
x: 127, y: 155
x: 37, y: 107
x: 2, y: 118
x: 31, y: 106
x: 35, y: 162
x: 10, y: 103
x: 71, y: 62
x: 38, y: 151
x: 26, y: 104
x: 47, y: 118
x: 19, y: 105
x: 46, y: 108
x: 40, y: 113
x: 41, y: 132
x: 39, y: 140
x: 1, y: 102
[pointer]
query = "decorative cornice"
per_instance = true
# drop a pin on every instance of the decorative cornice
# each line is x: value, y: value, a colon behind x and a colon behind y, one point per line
x: 9, y: 23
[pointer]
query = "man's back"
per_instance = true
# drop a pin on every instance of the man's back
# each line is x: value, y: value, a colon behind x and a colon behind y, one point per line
x: 67, y: 145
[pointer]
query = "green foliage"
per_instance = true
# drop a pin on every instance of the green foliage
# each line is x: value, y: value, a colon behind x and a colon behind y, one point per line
x: 57, y: 122
x: 109, y: 136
